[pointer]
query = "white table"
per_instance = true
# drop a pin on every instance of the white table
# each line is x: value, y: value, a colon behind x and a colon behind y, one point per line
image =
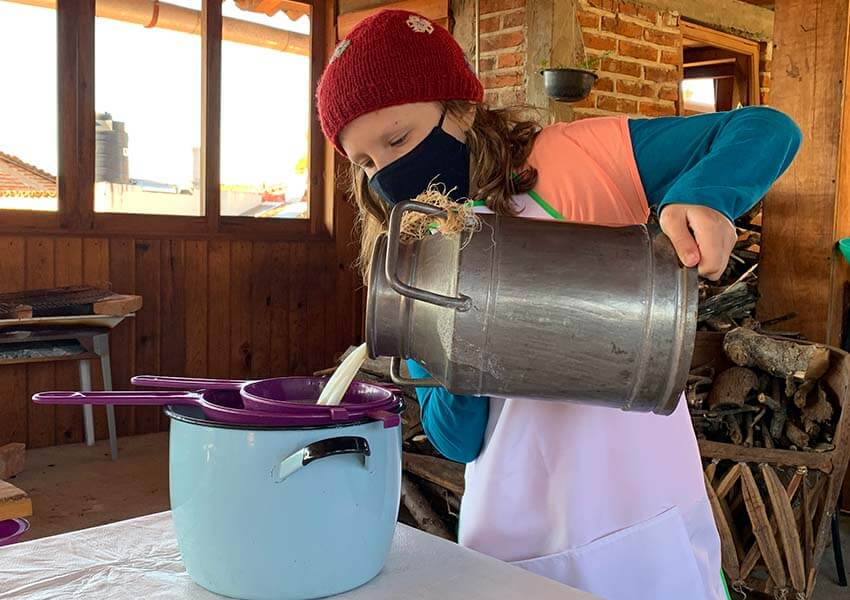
x: 139, y: 559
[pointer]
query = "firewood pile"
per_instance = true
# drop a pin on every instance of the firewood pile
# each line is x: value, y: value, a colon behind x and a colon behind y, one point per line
x: 772, y: 396
x: 724, y: 304
x: 431, y: 484
x: 774, y: 437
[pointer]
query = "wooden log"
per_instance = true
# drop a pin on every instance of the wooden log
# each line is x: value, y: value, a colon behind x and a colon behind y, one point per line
x: 421, y: 511
x: 787, y: 525
x: 796, y: 436
x: 731, y: 387
x: 781, y: 358
x: 445, y: 473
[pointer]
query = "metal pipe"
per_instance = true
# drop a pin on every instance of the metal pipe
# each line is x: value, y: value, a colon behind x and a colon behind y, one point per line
x: 150, y: 13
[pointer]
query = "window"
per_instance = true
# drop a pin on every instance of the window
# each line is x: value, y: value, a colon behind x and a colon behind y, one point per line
x: 720, y: 70
x: 265, y: 111
x: 148, y: 105
x: 699, y: 95
x: 28, y: 121
x: 181, y: 117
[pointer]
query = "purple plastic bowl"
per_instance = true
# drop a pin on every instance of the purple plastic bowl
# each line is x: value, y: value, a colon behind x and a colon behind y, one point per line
x: 12, y: 530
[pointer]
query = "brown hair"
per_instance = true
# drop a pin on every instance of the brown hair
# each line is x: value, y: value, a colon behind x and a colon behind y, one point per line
x: 500, y: 141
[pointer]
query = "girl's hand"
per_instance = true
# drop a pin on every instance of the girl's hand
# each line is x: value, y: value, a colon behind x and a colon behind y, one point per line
x: 702, y: 237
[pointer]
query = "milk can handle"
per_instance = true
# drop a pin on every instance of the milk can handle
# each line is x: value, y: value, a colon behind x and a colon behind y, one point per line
x: 399, y: 379
x: 460, y: 302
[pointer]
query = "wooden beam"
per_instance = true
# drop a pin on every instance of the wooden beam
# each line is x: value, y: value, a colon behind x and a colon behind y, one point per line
x: 710, y: 71
x: 211, y: 113
x: 436, y: 10
x: 809, y: 207
x: 807, y: 210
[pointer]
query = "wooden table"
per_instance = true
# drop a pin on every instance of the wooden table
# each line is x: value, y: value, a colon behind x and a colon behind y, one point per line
x: 79, y: 338
x: 139, y: 558
x: 14, y: 503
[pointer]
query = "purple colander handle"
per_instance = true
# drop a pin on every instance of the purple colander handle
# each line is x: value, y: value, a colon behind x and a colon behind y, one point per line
x: 121, y: 398
x: 187, y: 383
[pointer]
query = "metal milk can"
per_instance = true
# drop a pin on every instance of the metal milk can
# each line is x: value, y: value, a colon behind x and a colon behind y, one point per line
x: 527, y: 308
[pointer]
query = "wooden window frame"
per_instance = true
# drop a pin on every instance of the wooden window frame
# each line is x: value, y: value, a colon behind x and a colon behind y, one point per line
x: 732, y: 43
x: 76, y: 141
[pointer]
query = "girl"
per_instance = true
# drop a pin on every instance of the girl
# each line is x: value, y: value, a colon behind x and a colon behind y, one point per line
x: 604, y: 500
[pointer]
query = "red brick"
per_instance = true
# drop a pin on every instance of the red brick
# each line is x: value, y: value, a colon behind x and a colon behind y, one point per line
x: 492, y: 6
x: 609, y: 5
x: 487, y: 64
x: 765, y: 97
x: 604, y: 84
x: 635, y: 88
x: 622, y: 67
x: 489, y: 25
x: 491, y: 97
x: 647, y: 14
x: 765, y: 79
x: 661, y: 75
x: 589, y: 102
x: 669, y: 93
x: 627, y: 8
x: 634, y: 50
x: 587, y: 19
x: 502, y: 40
x: 654, y: 109
x: 615, y: 104
x: 662, y: 38
x: 506, y: 61
x: 599, y: 42
x: 515, y: 19
x: 620, y: 27
x: 671, y: 57
x: 499, y: 81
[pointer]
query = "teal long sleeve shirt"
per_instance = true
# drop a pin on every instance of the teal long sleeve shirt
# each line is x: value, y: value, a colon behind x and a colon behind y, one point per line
x: 726, y: 161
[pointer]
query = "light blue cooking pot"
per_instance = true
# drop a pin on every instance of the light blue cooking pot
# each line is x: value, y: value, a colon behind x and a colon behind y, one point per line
x: 283, y: 513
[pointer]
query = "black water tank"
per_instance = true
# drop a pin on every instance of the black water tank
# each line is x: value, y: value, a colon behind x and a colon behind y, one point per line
x: 111, y: 161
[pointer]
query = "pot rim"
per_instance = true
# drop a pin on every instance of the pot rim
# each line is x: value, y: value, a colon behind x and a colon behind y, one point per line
x: 206, y: 422
x: 569, y: 69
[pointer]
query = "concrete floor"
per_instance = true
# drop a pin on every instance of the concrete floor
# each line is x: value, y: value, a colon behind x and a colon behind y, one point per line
x: 74, y: 487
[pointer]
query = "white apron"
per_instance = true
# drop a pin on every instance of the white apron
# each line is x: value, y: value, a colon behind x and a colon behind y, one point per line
x: 606, y: 501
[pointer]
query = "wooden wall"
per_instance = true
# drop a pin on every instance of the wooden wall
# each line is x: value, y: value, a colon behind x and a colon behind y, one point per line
x: 215, y: 307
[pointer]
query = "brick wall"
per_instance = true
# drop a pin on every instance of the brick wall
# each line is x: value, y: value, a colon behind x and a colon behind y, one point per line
x: 502, y: 51
x: 642, y: 71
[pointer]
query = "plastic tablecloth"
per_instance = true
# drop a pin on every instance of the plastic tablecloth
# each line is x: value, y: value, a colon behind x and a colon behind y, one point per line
x: 139, y: 559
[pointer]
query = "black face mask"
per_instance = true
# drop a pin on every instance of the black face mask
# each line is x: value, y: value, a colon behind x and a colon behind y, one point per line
x: 438, y: 159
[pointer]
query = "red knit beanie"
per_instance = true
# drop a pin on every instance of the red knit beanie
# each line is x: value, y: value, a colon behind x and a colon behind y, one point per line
x: 390, y: 58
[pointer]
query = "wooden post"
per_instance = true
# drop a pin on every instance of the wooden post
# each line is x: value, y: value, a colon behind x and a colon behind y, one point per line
x: 809, y: 207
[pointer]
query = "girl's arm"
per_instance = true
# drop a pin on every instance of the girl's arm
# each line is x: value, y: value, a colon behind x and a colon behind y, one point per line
x: 454, y: 424
x: 726, y: 161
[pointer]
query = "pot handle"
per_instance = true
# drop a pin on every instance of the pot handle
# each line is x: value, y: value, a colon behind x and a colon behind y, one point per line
x: 460, y: 302
x: 399, y: 379
x: 319, y: 450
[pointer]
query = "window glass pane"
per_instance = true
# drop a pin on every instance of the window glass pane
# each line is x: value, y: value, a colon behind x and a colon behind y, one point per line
x: 265, y: 110
x: 698, y: 95
x: 148, y: 104
x: 28, y: 115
